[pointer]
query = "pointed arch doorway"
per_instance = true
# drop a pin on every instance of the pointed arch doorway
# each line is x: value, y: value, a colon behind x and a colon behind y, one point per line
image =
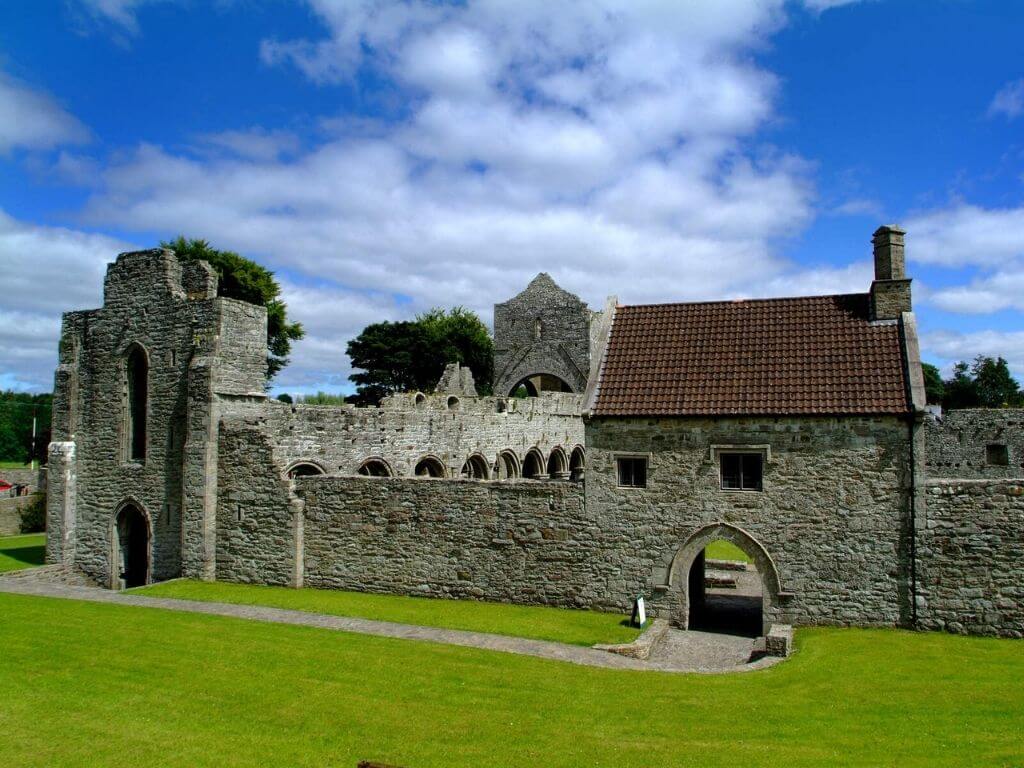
x: 132, y: 548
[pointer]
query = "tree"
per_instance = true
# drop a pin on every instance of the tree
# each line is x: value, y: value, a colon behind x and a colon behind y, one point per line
x: 411, y: 355
x: 244, y: 279
x: 934, y: 387
x: 16, y: 411
x: 284, y: 397
x: 985, y: 383
x: 995, y: 386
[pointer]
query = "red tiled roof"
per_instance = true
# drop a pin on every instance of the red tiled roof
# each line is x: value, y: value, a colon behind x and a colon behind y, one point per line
x: 813, y: 355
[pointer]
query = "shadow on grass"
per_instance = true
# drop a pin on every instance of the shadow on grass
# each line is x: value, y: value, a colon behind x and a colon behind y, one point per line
x: 28, y: 556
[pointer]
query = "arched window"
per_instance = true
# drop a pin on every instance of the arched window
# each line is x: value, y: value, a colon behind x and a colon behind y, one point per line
x: 429, y: 466
x: 533, y: 465
x: 375, y: 468
x: 304, y: 469
x: 475, y: 468
x: 136, y: 396
x: 507, y: 466
x: 558, y: 464
x: 453, y: 403
x: 577, y: 463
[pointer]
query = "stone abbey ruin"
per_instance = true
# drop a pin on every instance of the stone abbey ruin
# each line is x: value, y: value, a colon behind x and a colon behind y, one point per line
x: 794, y: 428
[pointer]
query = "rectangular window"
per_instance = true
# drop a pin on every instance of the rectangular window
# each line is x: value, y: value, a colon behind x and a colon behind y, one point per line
x: 741, y: 471
x: 997, y: 455
x: 632, y: 472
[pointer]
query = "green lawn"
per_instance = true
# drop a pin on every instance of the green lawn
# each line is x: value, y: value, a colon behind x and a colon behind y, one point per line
x: 13, y: 465
x: 725, y: 550
x: 99, y: 685
x: 561, y: 625
x: 18, y: 552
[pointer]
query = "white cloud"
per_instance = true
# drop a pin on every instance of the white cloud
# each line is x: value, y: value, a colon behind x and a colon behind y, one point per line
x: 47, y: 270
x: 1001, y: 290
x: 32, y: 119
x: 255, y: 143
x: 964, y: 235
x: 121, y: 15
x: 819, y: 6
x: 951, y: 346
x: 1008, y: 101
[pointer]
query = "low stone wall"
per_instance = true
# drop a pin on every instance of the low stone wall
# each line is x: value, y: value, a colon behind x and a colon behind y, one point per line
x: 10, y: 514
x: 969, y: 552
x: 33, y: 478
x: 523, y: 542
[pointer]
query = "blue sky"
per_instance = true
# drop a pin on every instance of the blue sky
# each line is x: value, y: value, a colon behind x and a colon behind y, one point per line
x: 384, y: 158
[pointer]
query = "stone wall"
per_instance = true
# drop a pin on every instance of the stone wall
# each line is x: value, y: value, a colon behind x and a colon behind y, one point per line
x: 410, y: 426
x: 971, y: 558
x: 958, y: 443
x: 169, y: 309
x: 831, y: 521
x: 33, y: 478
x: 10, y: 514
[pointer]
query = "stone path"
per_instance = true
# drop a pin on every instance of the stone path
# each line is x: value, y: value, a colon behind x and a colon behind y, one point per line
x: 680, y: 652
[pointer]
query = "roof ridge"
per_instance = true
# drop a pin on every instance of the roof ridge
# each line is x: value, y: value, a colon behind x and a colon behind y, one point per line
x: 763, y: 300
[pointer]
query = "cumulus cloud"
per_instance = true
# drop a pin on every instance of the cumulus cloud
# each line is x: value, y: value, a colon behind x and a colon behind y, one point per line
x: 47, y: 270
x: 32, y: 119
x: 1008, y: 101
x: 612, y: 144
x: 966, y: 235
x: 951, y: 346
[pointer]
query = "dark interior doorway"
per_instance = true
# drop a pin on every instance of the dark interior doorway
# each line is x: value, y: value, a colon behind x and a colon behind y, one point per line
x: 132, y: 567
x: 532, y: 386
x: 725, y: 592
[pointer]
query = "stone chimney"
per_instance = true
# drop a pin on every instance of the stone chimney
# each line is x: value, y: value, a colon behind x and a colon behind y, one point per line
x: 890, y: 291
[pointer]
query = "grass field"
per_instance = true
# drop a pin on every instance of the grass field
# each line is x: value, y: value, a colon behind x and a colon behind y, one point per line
x: 18, y: 552
x: 13, y: 465
x: 537, y: 622
x: 99, y: 685
x: 725, y: 550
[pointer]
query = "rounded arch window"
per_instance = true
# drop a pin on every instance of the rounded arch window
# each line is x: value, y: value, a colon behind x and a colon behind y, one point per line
x: 533, y: 465
x: 429, y: 466
x: 136, y: 402
x: 475, y: 468
x: 375, y: 467
x: 304, y: 469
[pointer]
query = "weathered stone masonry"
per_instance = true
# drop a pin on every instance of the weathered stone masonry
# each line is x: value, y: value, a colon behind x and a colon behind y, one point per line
x: 890, y: 520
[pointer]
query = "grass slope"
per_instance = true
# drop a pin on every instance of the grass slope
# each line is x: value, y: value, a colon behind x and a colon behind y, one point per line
x: 725, y: 550
x: 100, y: 685
x: 537, y: 622
x: 18, y: 552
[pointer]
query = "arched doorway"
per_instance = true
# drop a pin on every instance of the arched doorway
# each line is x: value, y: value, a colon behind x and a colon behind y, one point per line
x: 729, y: 582
x: 534, y: 384
x: 131, y: 554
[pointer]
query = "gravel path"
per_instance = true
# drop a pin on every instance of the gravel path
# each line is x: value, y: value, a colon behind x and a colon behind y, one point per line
x: 679, y: 652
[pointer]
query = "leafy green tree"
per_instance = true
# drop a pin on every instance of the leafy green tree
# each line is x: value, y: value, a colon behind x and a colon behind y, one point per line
x: 16, y: 411
x: 995, y: 386
x: 961, y: 391
x: 411, y: 355
x: 284, y: 397
x: 985, y: 383
x: 243, y: 279
x: 934, y: 387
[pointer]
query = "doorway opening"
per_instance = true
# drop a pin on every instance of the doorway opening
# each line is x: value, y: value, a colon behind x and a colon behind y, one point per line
x: 532, y: 386
x: 726, y: 592
x: 131, y: 551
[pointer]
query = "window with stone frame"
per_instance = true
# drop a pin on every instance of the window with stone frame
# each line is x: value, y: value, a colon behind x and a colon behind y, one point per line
x: 742, y: 471
x: 631, y: 471
x: 997, y: 455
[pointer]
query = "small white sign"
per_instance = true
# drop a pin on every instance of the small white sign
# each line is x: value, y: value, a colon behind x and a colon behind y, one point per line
x: 639, y: 614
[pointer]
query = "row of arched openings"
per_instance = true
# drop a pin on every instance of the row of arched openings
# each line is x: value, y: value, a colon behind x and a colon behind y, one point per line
x: 559, y: 465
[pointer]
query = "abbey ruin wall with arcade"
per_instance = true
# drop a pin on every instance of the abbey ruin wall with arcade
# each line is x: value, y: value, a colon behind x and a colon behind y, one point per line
x: 795, y: 429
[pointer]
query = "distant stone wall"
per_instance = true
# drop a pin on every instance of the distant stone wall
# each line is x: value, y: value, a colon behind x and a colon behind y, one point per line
x: 10, y: 514
x: 35, y: 479
x: 971, y: 558
x: 958, y: 444
x: 410, y: 426
x: 832, y: 518
x: 544, y: 329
